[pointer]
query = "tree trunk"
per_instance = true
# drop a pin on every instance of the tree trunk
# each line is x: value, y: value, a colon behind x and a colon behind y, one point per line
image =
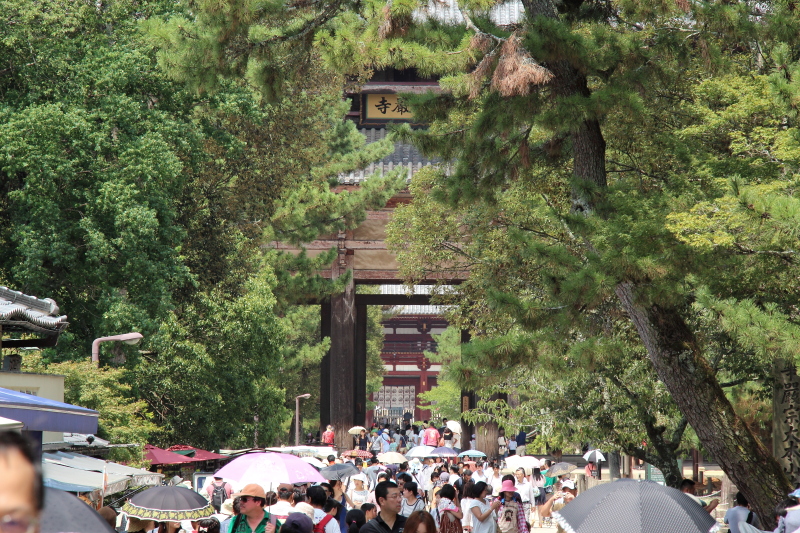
x: 670, y: 344
x: 692, y: 383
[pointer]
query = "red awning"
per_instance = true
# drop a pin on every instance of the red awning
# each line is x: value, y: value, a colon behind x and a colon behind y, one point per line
x: 198, y: 455
x: 157, y: 456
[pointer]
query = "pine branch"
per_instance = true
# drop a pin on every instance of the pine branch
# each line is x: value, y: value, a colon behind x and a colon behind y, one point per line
x: 471, y: 25
x: 677, y: 435
x: 786, y: 255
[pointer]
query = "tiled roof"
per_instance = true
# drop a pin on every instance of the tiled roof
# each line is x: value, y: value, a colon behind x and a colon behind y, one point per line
x: 447, y: 12
x: 404, y: 156
x: 22, y: 312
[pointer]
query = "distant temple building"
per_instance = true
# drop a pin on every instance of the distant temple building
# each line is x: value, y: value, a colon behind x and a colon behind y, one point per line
x: 408, y: 333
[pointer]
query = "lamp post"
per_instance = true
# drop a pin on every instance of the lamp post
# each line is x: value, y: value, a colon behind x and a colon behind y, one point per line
x: 127, y: 338
x: 297, y: 417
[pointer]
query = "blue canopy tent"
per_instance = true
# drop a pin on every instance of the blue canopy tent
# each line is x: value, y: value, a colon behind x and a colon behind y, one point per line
x: 40, y: 414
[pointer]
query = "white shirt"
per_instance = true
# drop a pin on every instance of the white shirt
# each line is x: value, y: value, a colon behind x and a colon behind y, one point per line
x: 525, y: 490
x: 512, y: 445
x: 457, y: 440
x: 477, y: 477
x: 487, y: 526
x: 281, y: 509
x: 331, y: 527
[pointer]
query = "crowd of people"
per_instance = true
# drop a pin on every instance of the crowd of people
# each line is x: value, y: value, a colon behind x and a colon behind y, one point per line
x: 430, y: 496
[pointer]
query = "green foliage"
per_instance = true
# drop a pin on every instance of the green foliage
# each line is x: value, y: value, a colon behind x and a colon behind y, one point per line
x: 123, y: 417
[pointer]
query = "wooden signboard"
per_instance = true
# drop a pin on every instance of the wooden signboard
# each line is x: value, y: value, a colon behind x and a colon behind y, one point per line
x: 383, y: 108
x: 786, y: 418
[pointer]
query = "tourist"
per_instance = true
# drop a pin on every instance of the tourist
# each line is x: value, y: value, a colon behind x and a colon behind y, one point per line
x: 318, y: 498
x: 482, y: 515
x: 420, y: 522
x: 388, y: 519
x: 370, y: 511
x: 688, y: 487
x: 741, y: 513
x: 22, y: 490
x: 411, y: 501
x: 521, y: 438
x: 511, y: 508
x: 355, y: 520
x: 446, y: 506
x: 328, y: 436
x: 362, y: 441
x: 526, y: 491
x: 538, y: 481
x: 502, y: 444
x: 283, y: 506
x: 358, y: 493
x: 253, y: 516
x: 564, y: 493
x: 298, y: 523
x: 431, y: 436
x: 479, y: 474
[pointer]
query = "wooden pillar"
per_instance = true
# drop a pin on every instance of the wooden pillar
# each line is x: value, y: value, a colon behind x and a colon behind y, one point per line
x: 360, y: 368
x: 325, y: 370
x: 342, y: 356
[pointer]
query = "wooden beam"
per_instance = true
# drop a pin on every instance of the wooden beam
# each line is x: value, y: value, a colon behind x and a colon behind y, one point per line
x: 392, y: 299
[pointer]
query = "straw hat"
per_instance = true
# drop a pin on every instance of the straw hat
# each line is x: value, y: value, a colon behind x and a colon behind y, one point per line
x: 253, y: 489
x: 227, y: 507
x: 304, y: 508
x: 137, y: 524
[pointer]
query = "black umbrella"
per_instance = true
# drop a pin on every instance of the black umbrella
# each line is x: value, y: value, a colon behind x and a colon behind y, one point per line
x: 634, y: 506
x: 339, y: 471
x: 170, y: 504
x: 559, y: 469
x: 65, y: 512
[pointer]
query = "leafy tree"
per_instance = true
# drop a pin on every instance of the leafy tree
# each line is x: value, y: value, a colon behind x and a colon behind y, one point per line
x: 123, y: 419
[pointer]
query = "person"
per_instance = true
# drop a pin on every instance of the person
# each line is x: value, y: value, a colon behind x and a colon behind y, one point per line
x: 431, y: 436
x: 388, y: 519
x: 473, y: 443
x: 538, y: 481
x: 512, y: 446
x: 420, y: 522
x: 496, y: 481
x: 456, y: 442
x: 355, y: 520
x: 372, y: 471
x: 454, y: 478
x: 688, y: 487
x: 297, y: 523
x: 362, y: 441
x: 218, y: 491
x: 328, y: 436
x: 446, y: 506
x: 318, y: 498
x: 483, y: 515
x: 788, y: 513
x: 358, y: 493
x: 479, y: 474
x: 253, y: 516
x: 466, y: 477
x: 590, y: 469
x: 521, y: 438
x: 447, y: 436
x: 385, y: 440
x: 526, y: 492
x: 208, y: 525
x: 137, y: 525
x: 283, y: 506
x: 109, y: 515
x: 22, y: 490
x: 511, y: 510
x: 370, y: 511
x: 411, y: 501
x: 231, y: 508
x: 502, y: 444
x: 338, y: 494
x: 740, y: 513
x: 563, y: 495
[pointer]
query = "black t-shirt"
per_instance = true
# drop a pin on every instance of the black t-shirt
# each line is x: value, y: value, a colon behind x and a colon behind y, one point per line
x: 377, y: 525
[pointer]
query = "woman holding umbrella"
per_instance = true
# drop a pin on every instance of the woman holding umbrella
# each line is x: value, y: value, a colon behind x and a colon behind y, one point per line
x: 362, y: 440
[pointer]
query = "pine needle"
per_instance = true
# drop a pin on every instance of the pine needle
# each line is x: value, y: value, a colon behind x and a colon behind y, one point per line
x: 516, y: 70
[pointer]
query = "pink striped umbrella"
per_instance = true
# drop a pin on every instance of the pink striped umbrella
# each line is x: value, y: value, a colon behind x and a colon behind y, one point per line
x: 269, y: 470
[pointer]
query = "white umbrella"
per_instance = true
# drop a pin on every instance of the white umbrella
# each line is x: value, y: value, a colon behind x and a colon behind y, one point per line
x: 454, y: 426
x: 313, y: 461
x: 391, y: 458
x: 356, y: 430
x: 527, y: 462
x: 420, y: 452
x: 594, y: 456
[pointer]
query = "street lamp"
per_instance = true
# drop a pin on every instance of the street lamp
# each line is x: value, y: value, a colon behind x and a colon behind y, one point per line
x: 297, y: 417
x: 127, y: 338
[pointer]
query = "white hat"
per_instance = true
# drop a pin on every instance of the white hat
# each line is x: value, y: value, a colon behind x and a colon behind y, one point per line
x: 568, y: 484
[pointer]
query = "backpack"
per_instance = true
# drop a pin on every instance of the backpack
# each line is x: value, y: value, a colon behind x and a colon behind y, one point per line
x: 507, y: 519
x: 448, y: 523
x: 219, y: 496
x: 320, y: 527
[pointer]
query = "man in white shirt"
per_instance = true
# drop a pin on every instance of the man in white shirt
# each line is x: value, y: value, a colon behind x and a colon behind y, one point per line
x: 741, y: 513
x: 317, y: 498
x: 479, y: 474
